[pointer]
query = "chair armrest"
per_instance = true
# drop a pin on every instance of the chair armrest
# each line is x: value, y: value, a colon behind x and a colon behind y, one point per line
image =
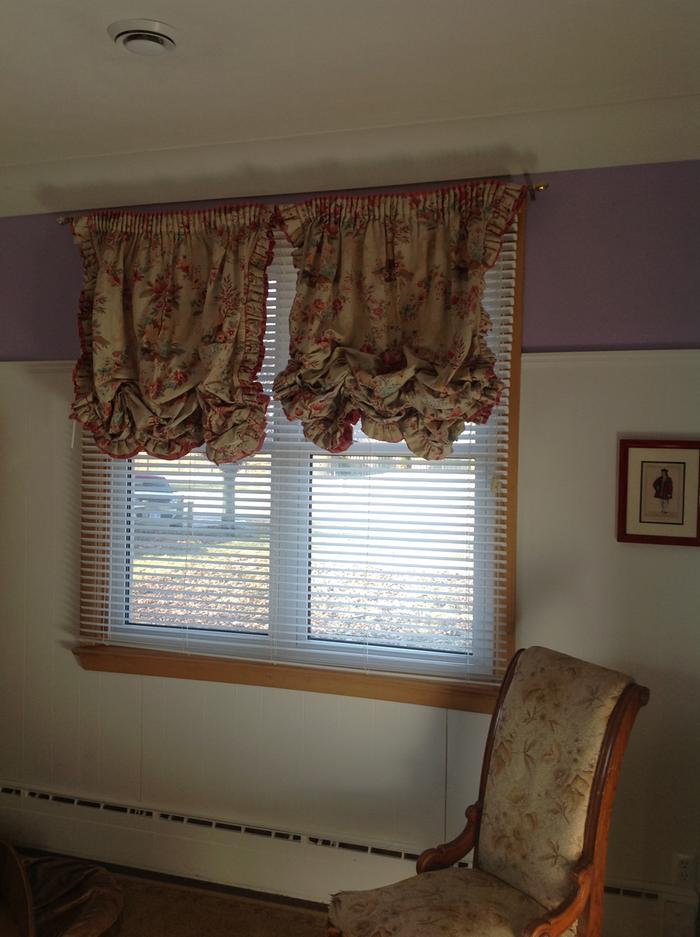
x: 564, y: 915
x: 445, y: 855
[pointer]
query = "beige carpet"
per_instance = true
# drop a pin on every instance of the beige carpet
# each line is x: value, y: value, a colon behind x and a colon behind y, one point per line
x: 158, y: 909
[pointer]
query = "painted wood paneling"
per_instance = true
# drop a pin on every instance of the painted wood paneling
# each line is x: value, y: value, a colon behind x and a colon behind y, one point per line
x: 231, y: 754
x: 172, y: 726
x: 355, y: 769
x: 347, y: 768
x: 633, y: 607
x: 120, y: 713
x: 465, y: 750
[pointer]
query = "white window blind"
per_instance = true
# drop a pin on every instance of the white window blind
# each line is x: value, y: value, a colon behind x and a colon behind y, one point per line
x: 370, y: 560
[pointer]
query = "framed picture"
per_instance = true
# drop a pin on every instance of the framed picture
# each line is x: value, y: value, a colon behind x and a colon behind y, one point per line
x: 659, y: 491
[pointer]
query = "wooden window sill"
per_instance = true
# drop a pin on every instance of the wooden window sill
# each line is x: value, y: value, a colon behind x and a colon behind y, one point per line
x: 421, y: 691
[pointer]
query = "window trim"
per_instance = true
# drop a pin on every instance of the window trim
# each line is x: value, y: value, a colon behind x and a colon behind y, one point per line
x: 443, y: 692
x: 421, y: 691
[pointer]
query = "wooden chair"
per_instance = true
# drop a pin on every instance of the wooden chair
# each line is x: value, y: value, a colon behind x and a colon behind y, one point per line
x: 16, y: 907
x: 539, y: 831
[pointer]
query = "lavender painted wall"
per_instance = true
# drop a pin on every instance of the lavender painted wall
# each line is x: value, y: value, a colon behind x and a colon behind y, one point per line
x: 611, y: 261
x: 40, y: 277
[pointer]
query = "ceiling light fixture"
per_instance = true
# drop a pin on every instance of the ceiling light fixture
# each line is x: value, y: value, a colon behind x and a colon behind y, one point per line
x: 143, y: 37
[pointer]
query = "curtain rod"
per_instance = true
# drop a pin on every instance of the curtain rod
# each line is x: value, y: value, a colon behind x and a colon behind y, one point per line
x: 533, y: 189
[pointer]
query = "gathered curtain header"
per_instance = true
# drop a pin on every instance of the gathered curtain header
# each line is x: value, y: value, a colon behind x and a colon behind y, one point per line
x: 387, y: 326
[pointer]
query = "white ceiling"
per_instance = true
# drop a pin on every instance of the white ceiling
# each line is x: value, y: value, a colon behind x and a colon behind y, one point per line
x: 272, y: 96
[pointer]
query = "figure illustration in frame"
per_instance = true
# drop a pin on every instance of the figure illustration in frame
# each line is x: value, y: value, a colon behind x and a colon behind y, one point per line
x: 663, y: 489
x: 661, y: 500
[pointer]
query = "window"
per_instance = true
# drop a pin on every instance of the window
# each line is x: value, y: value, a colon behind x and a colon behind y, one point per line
x: 371, y: 562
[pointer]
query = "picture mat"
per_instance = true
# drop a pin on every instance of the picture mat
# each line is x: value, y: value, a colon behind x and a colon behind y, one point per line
x: 663, y: 456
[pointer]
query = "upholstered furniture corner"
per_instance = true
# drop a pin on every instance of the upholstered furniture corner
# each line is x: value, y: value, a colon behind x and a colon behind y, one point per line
x: 539, y: 830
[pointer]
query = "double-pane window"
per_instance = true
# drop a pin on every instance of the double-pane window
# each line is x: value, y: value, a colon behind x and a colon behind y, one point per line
x: 372, y: 560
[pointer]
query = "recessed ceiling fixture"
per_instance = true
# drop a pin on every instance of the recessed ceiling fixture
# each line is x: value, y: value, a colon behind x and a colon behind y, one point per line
x: 143, y: 37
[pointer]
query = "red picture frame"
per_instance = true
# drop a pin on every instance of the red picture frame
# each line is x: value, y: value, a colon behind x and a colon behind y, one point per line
x: 659, y: 491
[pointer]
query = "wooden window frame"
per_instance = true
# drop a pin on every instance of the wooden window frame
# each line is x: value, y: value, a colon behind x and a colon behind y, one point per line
x: 467, y: 695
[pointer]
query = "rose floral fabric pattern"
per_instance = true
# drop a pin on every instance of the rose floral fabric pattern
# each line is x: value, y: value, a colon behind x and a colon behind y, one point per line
x: 447, y: 903
x: 543, y: 762
x: 388, y: 326
x: 172, y: 317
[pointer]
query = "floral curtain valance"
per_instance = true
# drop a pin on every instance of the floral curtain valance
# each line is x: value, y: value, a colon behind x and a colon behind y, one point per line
x: 172, y: 317
x: 388, y: 326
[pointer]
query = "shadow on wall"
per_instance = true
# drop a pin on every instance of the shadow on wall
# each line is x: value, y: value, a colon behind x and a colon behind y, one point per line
x: 662, y: 761
x: 255, y: 179
x: 40, y: 268
x: 50, y: 384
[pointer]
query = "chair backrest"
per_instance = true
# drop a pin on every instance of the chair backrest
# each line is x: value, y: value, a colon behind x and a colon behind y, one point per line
x: 544, y: 775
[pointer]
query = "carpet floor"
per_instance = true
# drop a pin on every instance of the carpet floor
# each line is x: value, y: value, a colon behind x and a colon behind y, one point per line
x: 159, y: 909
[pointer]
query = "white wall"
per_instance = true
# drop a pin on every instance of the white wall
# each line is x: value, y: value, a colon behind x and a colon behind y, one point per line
x: 352, y: 769
x: 634, y: 607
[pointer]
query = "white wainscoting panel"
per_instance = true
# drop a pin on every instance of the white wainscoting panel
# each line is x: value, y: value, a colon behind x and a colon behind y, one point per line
x: 357, y: 770
x: 633, y: 607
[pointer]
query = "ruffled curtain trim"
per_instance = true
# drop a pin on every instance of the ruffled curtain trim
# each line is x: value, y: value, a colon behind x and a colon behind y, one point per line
x: 149, y: 379
x: 388, y: 325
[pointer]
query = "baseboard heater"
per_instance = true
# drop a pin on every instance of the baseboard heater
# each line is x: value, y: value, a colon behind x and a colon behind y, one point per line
x: 180, y: 819
x: 631, y: 890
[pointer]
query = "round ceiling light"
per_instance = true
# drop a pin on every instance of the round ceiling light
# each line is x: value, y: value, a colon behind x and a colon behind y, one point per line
x: 143, y: 37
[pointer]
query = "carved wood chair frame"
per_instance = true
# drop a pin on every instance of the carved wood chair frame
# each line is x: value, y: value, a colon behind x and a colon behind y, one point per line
x: 585, y: 902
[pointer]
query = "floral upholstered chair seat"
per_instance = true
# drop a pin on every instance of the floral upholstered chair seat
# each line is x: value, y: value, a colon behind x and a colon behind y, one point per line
x: 446, y: 903
x: 539, y: 829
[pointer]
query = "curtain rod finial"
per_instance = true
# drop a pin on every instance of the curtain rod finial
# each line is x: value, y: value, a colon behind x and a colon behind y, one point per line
x: 536, y: 187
